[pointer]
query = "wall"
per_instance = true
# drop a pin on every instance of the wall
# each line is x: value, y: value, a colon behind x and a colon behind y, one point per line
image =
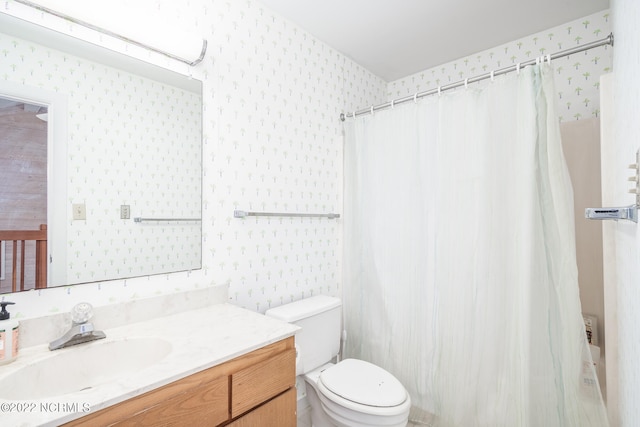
x: 23, y: 161
x: 272, y: 97
x: 608, y: 183
x: 279, y: 94
x: 581, y: 145
x: 625, y: 260
x: 577, y: 76
x: 272, y: 141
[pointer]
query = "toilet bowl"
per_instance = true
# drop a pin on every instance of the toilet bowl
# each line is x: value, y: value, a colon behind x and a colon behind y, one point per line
x: 355, y: 393
x: 350, y: 393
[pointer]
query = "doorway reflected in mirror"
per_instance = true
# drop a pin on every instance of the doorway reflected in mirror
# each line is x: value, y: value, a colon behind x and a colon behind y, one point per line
x: 23, y: 196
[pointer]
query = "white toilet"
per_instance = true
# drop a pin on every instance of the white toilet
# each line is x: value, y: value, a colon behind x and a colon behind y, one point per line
x: 350, y: 393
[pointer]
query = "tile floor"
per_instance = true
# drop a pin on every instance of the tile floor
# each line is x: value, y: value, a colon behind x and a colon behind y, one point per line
x: 304, y: 420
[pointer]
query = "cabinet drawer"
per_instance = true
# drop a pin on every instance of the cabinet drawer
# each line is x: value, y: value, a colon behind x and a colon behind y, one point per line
x: 278, y: 412
x: 258, y: 383
x: 207, y: 404
x: 202, y: 396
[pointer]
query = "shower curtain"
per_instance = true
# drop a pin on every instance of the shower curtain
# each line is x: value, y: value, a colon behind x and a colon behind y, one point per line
x: 460, y: 271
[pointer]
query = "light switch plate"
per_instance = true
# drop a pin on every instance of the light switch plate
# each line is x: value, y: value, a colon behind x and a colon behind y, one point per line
x: 79, y: 211
x: 125, y: 212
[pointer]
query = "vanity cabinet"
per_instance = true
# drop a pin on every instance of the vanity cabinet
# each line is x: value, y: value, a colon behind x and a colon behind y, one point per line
x: 256, y: 389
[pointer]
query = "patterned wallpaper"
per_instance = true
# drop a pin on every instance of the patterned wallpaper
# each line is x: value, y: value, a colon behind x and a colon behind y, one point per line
x: 272, y: 141
x: 143, y: 150
x: 131, y: 141
x: 279, y: 95
x: 577, y: 75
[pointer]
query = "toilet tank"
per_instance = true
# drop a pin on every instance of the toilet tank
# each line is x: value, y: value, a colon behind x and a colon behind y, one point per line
x: 320, y: 319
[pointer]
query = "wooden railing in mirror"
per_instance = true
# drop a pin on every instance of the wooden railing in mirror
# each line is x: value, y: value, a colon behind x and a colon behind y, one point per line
x: 23, y: 259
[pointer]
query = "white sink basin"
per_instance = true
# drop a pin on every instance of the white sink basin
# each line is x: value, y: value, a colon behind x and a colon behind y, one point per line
x: 82, y: 367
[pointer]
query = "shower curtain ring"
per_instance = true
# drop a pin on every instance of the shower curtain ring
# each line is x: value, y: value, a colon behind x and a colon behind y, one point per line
x: 466, y: 83
x: 492, y: 74
x: 393, y: 101
x: 415, y: 97
x: 518, y: 68
x: 372, y: 110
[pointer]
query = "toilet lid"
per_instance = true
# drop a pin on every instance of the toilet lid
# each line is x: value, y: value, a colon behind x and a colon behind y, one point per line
x: 364, y: 383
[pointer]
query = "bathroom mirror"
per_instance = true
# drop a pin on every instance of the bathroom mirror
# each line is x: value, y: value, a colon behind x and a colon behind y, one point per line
x: 128, y: 199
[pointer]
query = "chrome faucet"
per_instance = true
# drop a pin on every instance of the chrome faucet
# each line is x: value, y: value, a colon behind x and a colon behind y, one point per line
x: 81, y: 329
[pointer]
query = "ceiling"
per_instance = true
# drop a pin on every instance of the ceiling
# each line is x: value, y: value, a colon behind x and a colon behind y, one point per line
x: 397, y: 38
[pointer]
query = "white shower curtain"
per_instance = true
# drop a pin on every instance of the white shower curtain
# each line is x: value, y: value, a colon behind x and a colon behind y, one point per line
x: 460, y: 271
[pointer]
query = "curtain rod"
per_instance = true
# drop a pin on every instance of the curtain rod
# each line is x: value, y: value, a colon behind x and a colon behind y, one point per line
x: 115, y: 35
x: 602, y: 42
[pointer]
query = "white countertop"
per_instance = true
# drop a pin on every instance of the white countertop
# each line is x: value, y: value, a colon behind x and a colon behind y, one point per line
x: 200, y: 339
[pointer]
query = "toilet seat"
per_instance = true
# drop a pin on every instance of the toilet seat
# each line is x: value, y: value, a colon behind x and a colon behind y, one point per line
x: 363, y: 387
x: 363, y: 383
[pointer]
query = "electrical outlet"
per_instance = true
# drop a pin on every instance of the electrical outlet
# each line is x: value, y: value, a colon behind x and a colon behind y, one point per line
x: 125, y: 212
x: 79, y: 211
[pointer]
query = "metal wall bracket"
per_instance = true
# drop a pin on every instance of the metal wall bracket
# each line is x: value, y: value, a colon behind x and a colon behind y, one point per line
x: 628, y: 212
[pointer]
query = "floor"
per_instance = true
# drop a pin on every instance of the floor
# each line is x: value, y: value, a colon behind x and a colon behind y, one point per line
x: 304, y: 419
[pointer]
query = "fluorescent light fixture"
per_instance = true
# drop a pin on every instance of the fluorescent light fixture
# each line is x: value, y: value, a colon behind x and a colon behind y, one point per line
x: 127, y: 21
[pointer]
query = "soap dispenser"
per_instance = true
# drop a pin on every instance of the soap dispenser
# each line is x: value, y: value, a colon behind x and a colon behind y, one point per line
x: 8, y: 335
